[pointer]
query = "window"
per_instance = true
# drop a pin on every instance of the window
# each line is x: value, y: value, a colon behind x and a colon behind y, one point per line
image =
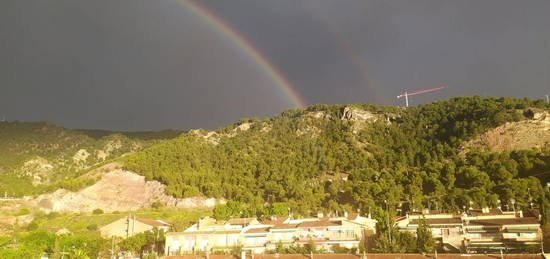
x: 175, y: 245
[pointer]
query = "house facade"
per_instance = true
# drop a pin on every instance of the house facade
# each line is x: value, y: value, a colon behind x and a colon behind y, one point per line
x: 210, y: 235
x: 478, y: 230
x: 130, y: 225
x: 207, y: 235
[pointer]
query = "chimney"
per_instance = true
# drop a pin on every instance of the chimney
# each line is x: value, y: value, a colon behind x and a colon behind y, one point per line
x: 426, y: 211
x: 485, y: 210
x: 320, y: 215
x: 345, y: 214
x: 521, y: 213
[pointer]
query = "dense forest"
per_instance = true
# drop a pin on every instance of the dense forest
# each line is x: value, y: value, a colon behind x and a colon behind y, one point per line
x: 324, y: 159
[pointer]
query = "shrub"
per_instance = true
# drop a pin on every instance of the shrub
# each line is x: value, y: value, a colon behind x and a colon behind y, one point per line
x: 23, y: 211
x: 340, y: 249
x: 92, y: 227
x: 97, y: 211
x: 32, y: 226
x: 156, y: 205
x: 53, y: 215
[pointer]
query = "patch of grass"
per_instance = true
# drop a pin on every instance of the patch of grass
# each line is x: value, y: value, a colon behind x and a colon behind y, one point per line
x: 79, y: 223
x: 23, y: 211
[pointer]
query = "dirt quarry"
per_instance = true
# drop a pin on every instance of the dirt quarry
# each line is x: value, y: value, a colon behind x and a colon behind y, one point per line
x: 116, y: 190
x: 527, y: 134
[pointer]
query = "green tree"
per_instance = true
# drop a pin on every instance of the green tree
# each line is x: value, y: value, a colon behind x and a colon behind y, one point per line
x: 221, y: 212
x: 278, y: 209
x: 424, y: 240
x: 134, y: 243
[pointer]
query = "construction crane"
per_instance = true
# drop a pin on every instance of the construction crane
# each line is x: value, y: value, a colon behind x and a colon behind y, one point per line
x: 406, y: 94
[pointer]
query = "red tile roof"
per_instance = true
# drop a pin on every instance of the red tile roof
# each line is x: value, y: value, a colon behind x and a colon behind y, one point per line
x: 500, y: 222
x: 491, y: 212
x: 274, y: 221
x: 353, y: 215
x: 284, y: 226
x: 440, y: 221
x: 400, y: 218
x: 153, y: 222
x: 311, y: 224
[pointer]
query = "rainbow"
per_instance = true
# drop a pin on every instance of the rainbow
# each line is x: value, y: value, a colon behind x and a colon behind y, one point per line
x: 354, y: 56
x: 361, y: 66
x: 243, y: 44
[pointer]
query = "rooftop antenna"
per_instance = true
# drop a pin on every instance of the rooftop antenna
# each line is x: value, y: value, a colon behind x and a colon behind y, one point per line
x: 407, y: 94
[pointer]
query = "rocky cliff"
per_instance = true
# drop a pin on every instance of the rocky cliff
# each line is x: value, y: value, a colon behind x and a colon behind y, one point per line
x: 117, y: 190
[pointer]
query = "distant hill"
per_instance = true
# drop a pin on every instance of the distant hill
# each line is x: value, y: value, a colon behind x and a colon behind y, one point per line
x: 37, y: 156
x: 356, y: 156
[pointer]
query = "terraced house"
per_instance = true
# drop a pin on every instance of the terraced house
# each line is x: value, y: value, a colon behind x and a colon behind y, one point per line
x: 210, y: 235
x: 479, y: 230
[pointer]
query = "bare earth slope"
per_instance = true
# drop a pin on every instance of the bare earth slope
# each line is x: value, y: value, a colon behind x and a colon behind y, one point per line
x: 117, y: 190
x: 527, y: 134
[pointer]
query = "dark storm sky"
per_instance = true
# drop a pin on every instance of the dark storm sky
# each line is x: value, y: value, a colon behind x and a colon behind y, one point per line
x: 144, y: 64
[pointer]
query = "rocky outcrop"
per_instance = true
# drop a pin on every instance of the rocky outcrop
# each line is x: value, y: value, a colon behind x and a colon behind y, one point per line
x: 543, y: 117
x: 117, y: 190
x: 359, y: 117
x: 81, y: 156
x: 320, y: 115
x: 214, y: 138
x: 243, y: 127
x: 527, y: 134
x: 211, y: 136
x: 38, y: 169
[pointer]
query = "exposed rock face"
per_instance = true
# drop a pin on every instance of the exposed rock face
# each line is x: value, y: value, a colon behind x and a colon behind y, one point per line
x: 81, y: 156
x: 108, y: 149
x: 214, y: 138
x: 243, y: 127
x: 198, y: 202
x: 211, y: 136
x: 118, y: 190
x: 543, y: 117
x: 356, y: 114
x: 39, y: 169
x: 320, y: 115
x: 525, y: 134
x: 359, y: 117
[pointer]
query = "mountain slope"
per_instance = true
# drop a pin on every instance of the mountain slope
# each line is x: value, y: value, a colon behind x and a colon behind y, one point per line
x: 342, y: 157
x: 115, y: 190
x: 38, y: 155
x: 526, y: 134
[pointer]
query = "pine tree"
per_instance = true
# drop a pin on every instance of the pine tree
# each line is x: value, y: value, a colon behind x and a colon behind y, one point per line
x: 424, y: 240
